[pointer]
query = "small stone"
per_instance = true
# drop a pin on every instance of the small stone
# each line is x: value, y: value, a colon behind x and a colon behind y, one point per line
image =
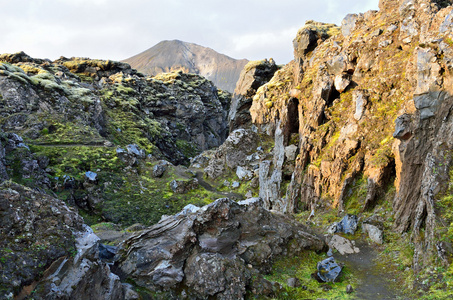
x: 91, y: 176
x: 293, y: 282
x: 235, y: 185
x: 330, y: 252
x: 361, y: 100
x: 341, y: 82
x: 183, y: 186
x: 349, y: 289
x: 159, y: 170
x: 328, y: 270
x: 135, y: 150
x: 343, y: 245
x: 348, y: 224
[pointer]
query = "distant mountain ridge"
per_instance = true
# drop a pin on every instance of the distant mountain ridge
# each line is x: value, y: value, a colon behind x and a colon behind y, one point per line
x: 174, y: 55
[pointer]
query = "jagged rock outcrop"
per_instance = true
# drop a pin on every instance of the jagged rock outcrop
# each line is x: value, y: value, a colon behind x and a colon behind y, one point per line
x: 341, y: 96
x: 181, y: 114
x: 176, y: 55
x: 254, y: 75
x: 46, y: 249
x: 234, y: 152
x: 212, y: 251
x: 65, y: 118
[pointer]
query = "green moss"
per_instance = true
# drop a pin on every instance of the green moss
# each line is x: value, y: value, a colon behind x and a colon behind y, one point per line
x: 358, y: 191
x: 65, y: 132
x: 126, y: 127
x: 186, y: 148
x: 445, y: 208
x: 302, y: 267
x: 123, y: 89
x: 138, y: 198
x: 85, y: 78
x: 103, y: 226
x: 74, y: 161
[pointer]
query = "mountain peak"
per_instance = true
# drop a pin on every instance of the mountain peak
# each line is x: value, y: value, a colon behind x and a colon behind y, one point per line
x: 172, y: 55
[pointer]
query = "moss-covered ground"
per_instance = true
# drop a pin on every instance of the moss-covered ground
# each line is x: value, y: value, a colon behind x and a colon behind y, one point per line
x: 126, y: 195
x: 302, y: 267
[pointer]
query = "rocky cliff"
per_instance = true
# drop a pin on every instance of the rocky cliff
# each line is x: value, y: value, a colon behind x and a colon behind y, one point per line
x: 176, y: 55
x: 370, y: 109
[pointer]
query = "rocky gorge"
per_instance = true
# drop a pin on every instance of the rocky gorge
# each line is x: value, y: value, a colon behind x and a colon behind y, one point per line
x: 307, y: 179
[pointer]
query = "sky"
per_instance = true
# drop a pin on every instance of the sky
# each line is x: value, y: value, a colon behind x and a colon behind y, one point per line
x: 118, y: 29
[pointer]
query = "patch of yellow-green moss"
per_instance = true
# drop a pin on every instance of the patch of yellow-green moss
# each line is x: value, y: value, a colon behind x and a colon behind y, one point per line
x: 302, y: 267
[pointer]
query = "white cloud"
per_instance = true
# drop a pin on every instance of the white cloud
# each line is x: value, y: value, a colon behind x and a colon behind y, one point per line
x: 117, y: 29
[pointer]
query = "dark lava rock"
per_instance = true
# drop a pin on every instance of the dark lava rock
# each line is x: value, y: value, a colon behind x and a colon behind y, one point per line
x: 46, y: 249
x: 215, y: 251
x: 349, y: 289
x: 159, y: 170
x: 403, y: 127
x: 348, y: 224
x: 328, y: 270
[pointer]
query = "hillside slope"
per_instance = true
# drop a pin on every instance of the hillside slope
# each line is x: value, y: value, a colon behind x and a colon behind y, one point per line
x: 175, y: 55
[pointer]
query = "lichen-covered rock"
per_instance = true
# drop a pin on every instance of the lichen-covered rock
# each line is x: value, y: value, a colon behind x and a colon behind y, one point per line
x: 17, y: 162
x: 65, y: 118
x: 254, y: 75
x: 83, y: 101
x: 308, y: 37
x: 348, y: 23
x: 208, y: 252
x: 47, y: 250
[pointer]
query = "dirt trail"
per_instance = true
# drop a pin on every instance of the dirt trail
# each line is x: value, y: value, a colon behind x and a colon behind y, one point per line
x: 374, y: 282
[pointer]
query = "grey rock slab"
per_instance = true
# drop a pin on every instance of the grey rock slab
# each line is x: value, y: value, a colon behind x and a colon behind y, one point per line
x: 343, y: 245
x: 374, y: 233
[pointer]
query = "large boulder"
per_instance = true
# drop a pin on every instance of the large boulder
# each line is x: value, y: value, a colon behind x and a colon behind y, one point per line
x: 212, y: 251
x: 47, y: 250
